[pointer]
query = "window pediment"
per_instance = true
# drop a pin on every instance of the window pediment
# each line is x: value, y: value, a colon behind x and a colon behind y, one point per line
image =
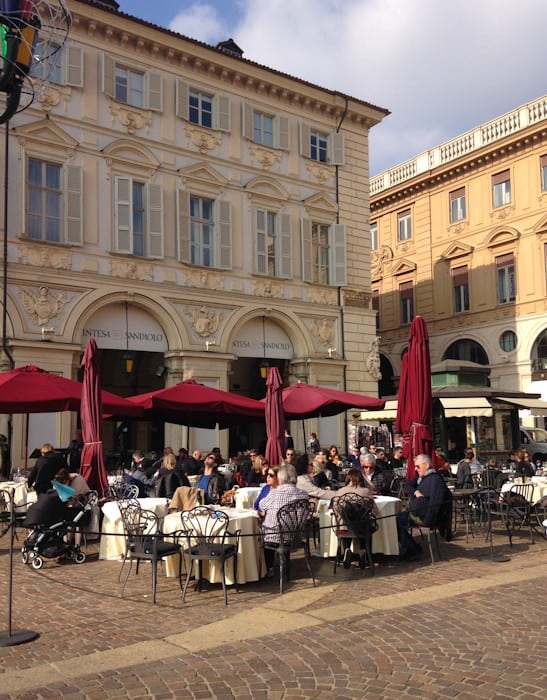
x: 203, y: 177
x: 320, y: 203
x: 131, y: 152
x: 501, y: 236
x: 404, y: 266
x: 456, y: 250
x: 262, y: 187
x: 541, y: 227
x: 47, y: 134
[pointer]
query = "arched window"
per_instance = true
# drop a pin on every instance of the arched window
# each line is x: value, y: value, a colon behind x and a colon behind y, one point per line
x: 468, y: 350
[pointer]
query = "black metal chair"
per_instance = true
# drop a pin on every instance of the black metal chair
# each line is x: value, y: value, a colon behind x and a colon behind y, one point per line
x: 6, y: 517
x: 208, y: 538
x: 354, y: 519
x: 122, y: 491
x: 143, y: 541
x: 292, y: 532
x: 518, y: 509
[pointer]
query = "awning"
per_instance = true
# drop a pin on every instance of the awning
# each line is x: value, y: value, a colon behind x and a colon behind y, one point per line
x: 537, y: 407
x: 466, y: 406
x: 389, y: 412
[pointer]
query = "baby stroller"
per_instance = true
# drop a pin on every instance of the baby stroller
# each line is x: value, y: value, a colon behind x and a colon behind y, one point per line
x: 53, y: 535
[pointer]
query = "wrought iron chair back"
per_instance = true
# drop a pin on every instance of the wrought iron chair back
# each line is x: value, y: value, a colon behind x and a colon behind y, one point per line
x: 354, y: 519
x: 123, y: 491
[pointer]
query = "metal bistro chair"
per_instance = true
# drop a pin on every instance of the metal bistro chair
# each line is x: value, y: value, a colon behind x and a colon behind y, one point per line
x: 142, y: 541
x: 122, y: 491
x: 518, y: 509
x: 292, y: 532
x: 208, y: 538
x: 354, y: 519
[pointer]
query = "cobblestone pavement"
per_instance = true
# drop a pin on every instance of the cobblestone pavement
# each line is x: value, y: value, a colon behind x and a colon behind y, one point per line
x: 466, y: 627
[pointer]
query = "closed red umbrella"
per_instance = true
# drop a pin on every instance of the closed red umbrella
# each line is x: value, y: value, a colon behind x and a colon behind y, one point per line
x: 92, y: 463
x: 309, y: 401
x: 414, y: 404
x: 275, y: 417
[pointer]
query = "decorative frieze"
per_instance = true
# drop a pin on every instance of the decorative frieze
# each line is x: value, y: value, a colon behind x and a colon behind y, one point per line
x: 204, y: 321
x: 44, y: 304
x: 203, y: 139
x: 357, y: 298
x: 128, y: 269
x: 39, y: 256
x: 131, y: 118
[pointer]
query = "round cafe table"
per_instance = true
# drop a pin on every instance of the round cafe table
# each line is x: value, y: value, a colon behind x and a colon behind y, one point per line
x: 112, y: 543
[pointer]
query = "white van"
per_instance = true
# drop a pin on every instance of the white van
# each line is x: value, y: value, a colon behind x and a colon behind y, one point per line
x: 534, y: 440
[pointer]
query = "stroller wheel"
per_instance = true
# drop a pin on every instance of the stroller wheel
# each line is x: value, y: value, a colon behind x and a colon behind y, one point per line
x: 37, y: 562
x: 79, y: 557
x: 24, y: 556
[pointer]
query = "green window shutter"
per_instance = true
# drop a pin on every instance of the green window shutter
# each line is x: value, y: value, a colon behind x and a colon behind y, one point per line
x: 73, y: 205
x: 338, y: 255
x: 260, y: 234
x: 222, y: 112
x: 225, y: 235
x: 247, y: 120
x: 336, y: 148
x: 285, y: 243
x: 107, y: 75
x: 305, y: 136
x: 183, y: 225
x: 155, y: 92
x: 123, y: 215
x: 307, y: 263
x: 283, y: 134
x: 74, y: 66
x: 181, y: 100
x: 155, y: 221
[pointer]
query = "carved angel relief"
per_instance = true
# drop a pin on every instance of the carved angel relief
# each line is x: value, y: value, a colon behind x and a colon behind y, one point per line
x: 379, y: 260
x: 323, y: 330
x: 372, y: 361
x: 45, y: 305
x: 204, y: 321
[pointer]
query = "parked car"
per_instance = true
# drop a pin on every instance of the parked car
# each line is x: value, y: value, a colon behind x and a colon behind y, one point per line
x: 535, y: 441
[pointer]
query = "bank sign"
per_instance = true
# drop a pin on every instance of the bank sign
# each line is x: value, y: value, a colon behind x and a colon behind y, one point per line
x: 113, y: 329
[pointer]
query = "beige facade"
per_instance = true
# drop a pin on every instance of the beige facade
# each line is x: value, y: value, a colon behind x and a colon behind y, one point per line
x: 175, y: 200
x: 460, y: 238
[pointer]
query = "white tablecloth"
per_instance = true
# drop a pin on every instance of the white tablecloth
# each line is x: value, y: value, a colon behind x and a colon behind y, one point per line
x: 246, y: 496
x: 384, y: 540
x: 540, y: 487
x: 112, y: 540
x: 251, y: 565
x: 21, y: 494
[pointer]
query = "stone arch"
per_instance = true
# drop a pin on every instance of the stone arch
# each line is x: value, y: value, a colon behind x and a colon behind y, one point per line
x: 126, y: 151
x: 466, y: 346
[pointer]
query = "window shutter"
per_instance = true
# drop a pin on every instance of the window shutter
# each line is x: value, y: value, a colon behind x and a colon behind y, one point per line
x: 247, y: 121
x: 123, y: 215
x: 283, y: 134
x: 460, y: 276
x: 181, y: 100
x: 285, y: 242
x: 183, y: 218
x: 74, y: 62
x: 155, y: 221
x: 225, y: 235
x: 305, y: 144
x: 108, y: 75
x: 505, y: 260
x: 307, y: 264
x: 155, y: 92
x: 336, y: 148
x: 338, y: 255
x: 261, y: 254
x: 457, y: 194
x: 73, y: 205
x: 222, y: 111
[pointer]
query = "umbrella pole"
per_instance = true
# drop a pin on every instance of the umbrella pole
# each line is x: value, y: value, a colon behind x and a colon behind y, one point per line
x: 25, y: 446
x: 304, y: 434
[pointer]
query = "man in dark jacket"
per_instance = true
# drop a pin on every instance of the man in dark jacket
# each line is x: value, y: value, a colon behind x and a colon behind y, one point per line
x: 430, y: 499
x: 212, y: 483
x: 45, y: 468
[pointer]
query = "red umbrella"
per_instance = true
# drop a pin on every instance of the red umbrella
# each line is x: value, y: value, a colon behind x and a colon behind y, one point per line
x: 308, y: 401
x: 275, y: 418
x: 92, y: 462
x: 414, y: 405
x: 197, y: 405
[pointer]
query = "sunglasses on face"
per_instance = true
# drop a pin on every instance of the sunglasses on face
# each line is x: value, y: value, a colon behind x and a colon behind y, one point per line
x: 270, y: 474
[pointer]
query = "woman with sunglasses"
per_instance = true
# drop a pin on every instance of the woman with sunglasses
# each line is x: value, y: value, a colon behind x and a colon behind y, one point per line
x: 271, y: 483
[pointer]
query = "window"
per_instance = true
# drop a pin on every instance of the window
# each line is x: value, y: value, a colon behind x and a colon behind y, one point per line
x: 53, y: 202
x: 501, y: 189
x: 323, y: 253
x: 273, y: 243
x: 131, y: 86
x: 508, y: 341
x: 505, y: 271
x: 321, y: 146
x: 63, y: 66
x: 266, y: 129
x: 460, y: 287
x: 406, y: 294
x: 374, y: 236
x: 457, y: 205
x: 205, y: 235
x: 139, y: 218
x: 203, y: 108
x: 376, y: 306
x: 404, y: 226
x: 468, y: 350
x: 543, y: 166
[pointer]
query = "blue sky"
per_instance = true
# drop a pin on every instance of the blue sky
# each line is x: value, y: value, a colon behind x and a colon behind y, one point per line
x: 440, y: 67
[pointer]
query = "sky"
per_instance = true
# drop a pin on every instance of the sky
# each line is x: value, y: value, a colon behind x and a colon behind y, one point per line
x: 441, y: 68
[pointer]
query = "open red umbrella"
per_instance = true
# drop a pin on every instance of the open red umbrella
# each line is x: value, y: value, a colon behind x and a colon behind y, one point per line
x: 309, y: 401
x: 194, y: 404
x: 275, y: 417
x: 92, y: 463
x: 414, y: 404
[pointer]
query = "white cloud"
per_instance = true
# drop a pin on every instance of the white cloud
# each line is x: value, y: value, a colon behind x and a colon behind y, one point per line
x: 199, y: 21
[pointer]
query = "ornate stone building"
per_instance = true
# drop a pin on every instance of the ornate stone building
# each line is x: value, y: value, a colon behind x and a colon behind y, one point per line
x: 197, y: 214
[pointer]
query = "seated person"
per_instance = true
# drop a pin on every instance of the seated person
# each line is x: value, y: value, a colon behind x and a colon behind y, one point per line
x: 464, y: 480
x: 440, y: 464
x: 142, y: 474
x: 73, y: 479
x: 318, y: 475
x: 305, y: 481
x: 430, y: 500
x: 212, y: 483
x: 525, y: 468
x: 271, y: 483
x: 376, y: 480
x: 170, y: 477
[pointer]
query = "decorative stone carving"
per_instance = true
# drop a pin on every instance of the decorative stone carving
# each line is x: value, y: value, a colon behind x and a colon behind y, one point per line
x: 356, y: 297
x: 267, y: 288
x: 52, y: 95
x: 322, y: 330
x: 379, y: 261
x: 45, y: 305
x: 204, y: 321
x: 204, y: 279
x: 265, y: 156
x: 320, y: 172
x: 203, y: 139
x: 372, y: 361
x: 132, y: 119
x: 59, y: 259
x: 321, y: 295
x: 128, y: 269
